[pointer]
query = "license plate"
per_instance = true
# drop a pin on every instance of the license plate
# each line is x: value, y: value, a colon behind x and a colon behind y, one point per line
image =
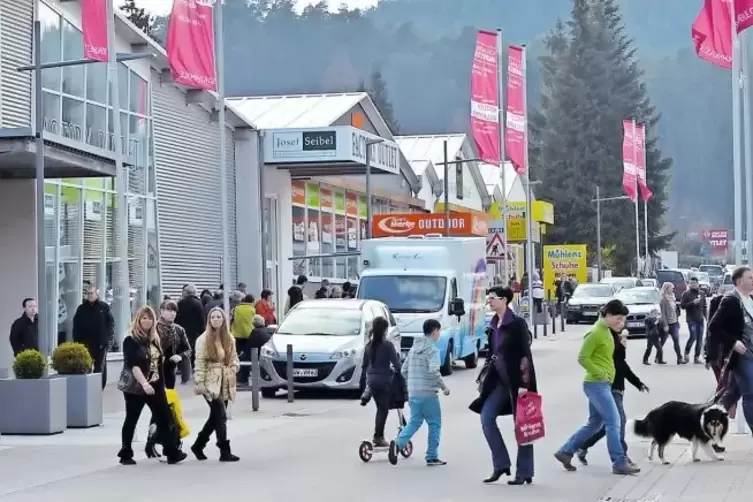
x: 305, y: 372
x: 590, y: 314
x: 635, y: 325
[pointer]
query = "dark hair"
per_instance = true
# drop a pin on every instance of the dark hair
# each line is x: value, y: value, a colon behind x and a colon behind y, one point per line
x: 346, y: 287
x: 502, y: 292
x: 378, y: 332
x: 694, y: 279
x: 26, y: 300
x: 248, y: 298
x: 431, y: 325
x: 266, y: 293
x: 302, y: 279
x: 614, y: 307
x: 241, y: 285
x: 217, y: 295
x: 205, y: 292
x: 738, y: 273
x: 169, y: 305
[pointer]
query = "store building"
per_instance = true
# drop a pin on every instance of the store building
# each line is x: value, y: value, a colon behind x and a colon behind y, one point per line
x: 314, y: 153
x: 170, y: 150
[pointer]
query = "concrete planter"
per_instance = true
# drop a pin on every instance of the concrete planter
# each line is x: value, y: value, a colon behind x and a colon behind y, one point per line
x: 84, y: 400
x: 33, y: 407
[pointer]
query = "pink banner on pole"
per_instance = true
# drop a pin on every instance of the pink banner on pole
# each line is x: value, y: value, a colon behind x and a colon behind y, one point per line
x: 485, y: 98
x: 516, y: 140
x: 190, y: 44
x: 712, y: 33
x: 629, y: 163
x: 743, y: 14
x: 640, y: 136
x: 94, y: 28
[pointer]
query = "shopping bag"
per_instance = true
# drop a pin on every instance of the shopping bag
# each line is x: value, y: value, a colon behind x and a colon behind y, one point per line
x: 529, y: 419
x: 173, y: 400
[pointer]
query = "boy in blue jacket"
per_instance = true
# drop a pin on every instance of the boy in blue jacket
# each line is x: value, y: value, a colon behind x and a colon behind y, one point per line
x: 421, y: 372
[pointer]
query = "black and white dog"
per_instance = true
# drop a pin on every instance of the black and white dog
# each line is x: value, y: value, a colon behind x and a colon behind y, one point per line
x: 704, y: 425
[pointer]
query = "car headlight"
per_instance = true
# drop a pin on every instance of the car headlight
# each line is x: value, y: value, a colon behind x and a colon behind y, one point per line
x: 267, y: 351
x: 344, y: 354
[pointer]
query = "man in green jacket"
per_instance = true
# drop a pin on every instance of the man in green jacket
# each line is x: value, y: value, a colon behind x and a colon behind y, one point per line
x: 596, y: 358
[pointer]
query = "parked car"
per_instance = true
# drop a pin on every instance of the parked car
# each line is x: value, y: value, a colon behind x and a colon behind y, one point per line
x: 587, y: 301
x: 716, y: 274
x: 328, y: 338
x: 622, y: 282
x: 726, y: 285
x: 640, y: 302
x: 676, y: 277
x: 649, y: 282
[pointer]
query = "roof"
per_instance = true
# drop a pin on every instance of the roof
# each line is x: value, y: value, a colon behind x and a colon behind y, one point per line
x: 491, y: 174
x: 296, y: 111
x: 420, y: 166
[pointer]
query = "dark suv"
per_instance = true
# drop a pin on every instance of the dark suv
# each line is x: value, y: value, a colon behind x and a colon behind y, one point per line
x: 676, y: 277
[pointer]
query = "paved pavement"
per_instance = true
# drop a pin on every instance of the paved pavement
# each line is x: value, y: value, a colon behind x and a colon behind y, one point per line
x: 307, y: 450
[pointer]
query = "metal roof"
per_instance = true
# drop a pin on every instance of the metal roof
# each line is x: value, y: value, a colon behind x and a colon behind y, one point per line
x: 492, y: 176
x: 296, y: 111
x: 431, y: 148
x: 420, y: 166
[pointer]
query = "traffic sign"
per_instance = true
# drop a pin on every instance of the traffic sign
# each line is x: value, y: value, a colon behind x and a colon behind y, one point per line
x: 495, y: 248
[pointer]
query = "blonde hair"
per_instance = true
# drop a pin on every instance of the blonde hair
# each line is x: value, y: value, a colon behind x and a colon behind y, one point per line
x: 136, y: 331
x: 666, y: 287
x: 221, y: 336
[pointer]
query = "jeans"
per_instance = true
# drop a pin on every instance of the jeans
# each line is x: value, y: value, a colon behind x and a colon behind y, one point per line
x: 423, y: 408
x: 653, y: 340
x: 134, y: 404
x: 602, y: 411
x: 727, y: 389
x: 99, y: 357
x: 216, y: 422
x: 619, y: 401
x: 381, y: 396
x: 674, y: 332
x: 743, y: 375
x: 500, y: 457
x: 696, y: 336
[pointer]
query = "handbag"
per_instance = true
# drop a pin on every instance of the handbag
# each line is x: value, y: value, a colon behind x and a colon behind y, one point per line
x: 529, y: 419
x: 482, y: 375
x: 128, y: 384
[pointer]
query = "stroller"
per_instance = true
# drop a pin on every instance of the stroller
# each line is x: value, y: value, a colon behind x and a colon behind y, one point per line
x: 177, y: 428
x: 399, y: 397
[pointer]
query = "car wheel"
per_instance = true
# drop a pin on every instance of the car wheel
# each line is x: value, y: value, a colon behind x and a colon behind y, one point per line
x: 446, y: 368
x: 471, y: 361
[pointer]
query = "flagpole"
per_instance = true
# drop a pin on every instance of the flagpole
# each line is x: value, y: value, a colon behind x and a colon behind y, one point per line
x: 527, y: 178
x: 748, y: 154
x: 645, y: 204
x: 736, y: 138
x: 503, y: 177
x: 224, y: 227
x: 637, y: 219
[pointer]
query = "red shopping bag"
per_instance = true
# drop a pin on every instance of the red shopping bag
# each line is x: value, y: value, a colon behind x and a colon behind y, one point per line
x: 529, y: 419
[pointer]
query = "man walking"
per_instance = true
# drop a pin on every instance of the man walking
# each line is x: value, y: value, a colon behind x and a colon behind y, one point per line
x: 191, y: 318
x: 93, y: 325
x: 694, y: 302
x: 24, y: 333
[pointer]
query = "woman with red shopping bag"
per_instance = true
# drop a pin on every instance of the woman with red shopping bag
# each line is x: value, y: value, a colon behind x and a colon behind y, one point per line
x: 507, y: 385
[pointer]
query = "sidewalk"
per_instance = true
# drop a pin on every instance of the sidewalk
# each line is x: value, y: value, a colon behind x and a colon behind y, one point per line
x: 685, y: 481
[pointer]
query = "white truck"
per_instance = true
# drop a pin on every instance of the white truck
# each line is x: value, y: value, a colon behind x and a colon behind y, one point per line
x: 430, y: 277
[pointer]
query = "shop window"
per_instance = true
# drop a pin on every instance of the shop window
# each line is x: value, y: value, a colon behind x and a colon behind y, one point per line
x: 137, y: 147
x: 341, y: 246
x: 299, y: 239
x: 123, y: 85
x: 51, y: 272
x: 94, y: 234
x: 124, y: 126
x: 51, y: 110
x: 154, y: 295
x: 51, y: 46
x: 71, y: 245
x: 352, y: 229
x: 74, y: 118
x: 139, y: 95
x: 313, y: 242
x: 96, y: 126
x: 328, y: 244
x: 73, y: 48
x: 136, y: 252
x: 96, y: 83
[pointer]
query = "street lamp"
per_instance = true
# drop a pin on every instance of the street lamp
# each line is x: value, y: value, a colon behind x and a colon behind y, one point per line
x: 369, y: 143
x: 598, y: 200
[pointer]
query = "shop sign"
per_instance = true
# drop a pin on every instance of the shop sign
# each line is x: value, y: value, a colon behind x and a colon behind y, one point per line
x: 325, y: 145
x: 717, y: 238
x: 569, y: 259
x: 461, y: 224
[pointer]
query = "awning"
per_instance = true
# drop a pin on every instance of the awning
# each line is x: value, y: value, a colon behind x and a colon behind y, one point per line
x: 18, y: 154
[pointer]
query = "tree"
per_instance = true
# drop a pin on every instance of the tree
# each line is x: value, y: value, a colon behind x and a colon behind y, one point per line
x: 591, y: 82
x: 377, y: 89
x: 138, y: 16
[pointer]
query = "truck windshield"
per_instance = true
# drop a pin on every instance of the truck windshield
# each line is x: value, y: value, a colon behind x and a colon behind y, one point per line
x: 405, y: 293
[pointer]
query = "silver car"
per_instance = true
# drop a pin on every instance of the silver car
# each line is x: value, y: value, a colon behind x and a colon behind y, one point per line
x: 328, y: 338
x: 640, y: 302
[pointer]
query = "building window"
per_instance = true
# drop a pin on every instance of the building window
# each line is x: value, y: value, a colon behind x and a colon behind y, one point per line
x: 313, y: 230
x: 341, y: 235
x: 51, y: 46
x: 299, y: 226
x: 73, y: 48
x: 353, y: 228
x: 328, y: 231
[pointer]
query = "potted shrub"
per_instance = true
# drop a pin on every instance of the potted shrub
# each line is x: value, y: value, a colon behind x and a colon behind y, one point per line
x: 73, y: 362
x: 32, y: 403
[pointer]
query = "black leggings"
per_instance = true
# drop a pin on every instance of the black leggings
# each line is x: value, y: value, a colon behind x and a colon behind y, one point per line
x: 216, y: 422
x: 157, y: 403
x: 381, y: 396
x: 653, y: 340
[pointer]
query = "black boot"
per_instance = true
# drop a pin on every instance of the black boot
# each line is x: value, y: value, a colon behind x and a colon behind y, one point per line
x: 199, y: 445
x: 126, y: 456
x: 225, y: 454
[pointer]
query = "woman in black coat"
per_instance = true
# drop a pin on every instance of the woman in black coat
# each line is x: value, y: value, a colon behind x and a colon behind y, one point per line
x: 509, y: 371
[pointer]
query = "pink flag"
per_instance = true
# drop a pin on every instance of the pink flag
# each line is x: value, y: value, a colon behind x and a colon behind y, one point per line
x: 712, y: 32
x: 190, y: 44
x: 485, y: 98
x: 629, y: 162
x: 640, y: 146
x: 744, y: 14
x: 94, y: 27
x: 516, y: 140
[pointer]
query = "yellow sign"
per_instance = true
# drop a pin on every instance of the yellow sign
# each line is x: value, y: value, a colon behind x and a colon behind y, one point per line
x: 516, y: 230
x: 543, y: 212
x: 569, y: 259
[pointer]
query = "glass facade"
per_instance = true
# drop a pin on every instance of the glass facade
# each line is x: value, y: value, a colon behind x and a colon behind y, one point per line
x: 81, y: 213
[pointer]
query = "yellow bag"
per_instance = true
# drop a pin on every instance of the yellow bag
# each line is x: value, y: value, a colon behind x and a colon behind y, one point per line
x: 173, y: 400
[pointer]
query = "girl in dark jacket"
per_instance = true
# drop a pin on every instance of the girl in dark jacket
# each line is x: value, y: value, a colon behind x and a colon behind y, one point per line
x: 380, y: 364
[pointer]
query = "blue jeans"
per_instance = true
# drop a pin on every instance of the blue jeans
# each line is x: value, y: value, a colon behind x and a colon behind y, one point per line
x: 423, y: 408
x: 743, y: 374
x: 674, y: 332
x: 619, y: 401
x: 500, y: 457
x: 696, y: 336
x: 602, y: 411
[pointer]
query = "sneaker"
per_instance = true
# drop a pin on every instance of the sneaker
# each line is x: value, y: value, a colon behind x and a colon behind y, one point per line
x: 626, y: 470
x: 380, y: 443
x: 566, y: 460
x: 393, y: 453
x: 435, y: 461
x: 581, y: 454
x: 631, y: 463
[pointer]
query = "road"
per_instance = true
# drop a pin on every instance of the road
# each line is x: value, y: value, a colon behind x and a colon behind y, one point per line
x: 310, y: 455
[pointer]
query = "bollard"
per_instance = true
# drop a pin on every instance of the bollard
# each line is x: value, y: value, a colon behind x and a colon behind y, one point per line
x: 289, y: 373
x: 555, y: 307
x: 535, y: 324
x: 255, y: 379
x: 563, y: 312
x: 544, y: 309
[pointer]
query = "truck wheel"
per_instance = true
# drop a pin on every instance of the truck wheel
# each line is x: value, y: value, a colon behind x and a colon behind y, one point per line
x: 471, y: 361
x: 446, y: 368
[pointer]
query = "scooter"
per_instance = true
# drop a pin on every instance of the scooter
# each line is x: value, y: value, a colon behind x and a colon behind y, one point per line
x: 367, y: 449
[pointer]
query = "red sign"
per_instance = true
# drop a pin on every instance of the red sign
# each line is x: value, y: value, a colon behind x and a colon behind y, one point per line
x: 717, y: 237
x: 629, y: 160
x: 94, y: 28
x: 712, y: 32
x: 516, y: 139
x: 485, y: 97
x: 190, y: 44
x: 461, y: 224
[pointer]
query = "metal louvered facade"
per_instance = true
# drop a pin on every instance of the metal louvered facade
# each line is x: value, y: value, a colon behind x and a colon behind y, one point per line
x: 16, y: 21
x: 187, y: 156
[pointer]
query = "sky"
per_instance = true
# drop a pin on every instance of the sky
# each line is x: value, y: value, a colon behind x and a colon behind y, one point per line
x: 162, y: 7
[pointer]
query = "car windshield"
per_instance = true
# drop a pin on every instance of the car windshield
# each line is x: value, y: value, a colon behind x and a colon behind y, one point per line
x: 638, y: 296
x: 702, y: 276
x: 619, y: 282
x: 673, y: 276
x: 727, y: 279
x: 322, y: 322
x: 593, y: 291
x: 712, y: 270
x: 405, y: 293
